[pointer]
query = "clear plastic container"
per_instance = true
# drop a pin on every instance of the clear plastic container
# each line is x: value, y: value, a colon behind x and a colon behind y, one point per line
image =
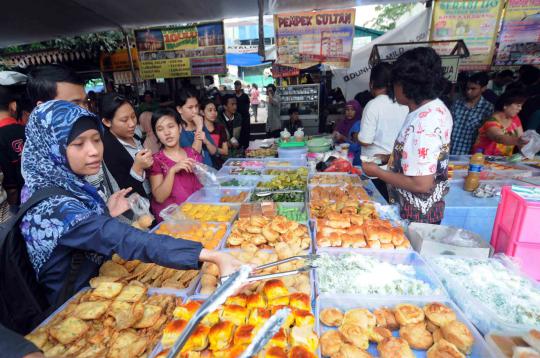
x: 484, y: 317
x: 277, y: 170
x: 196, y: 224
x: 173, y: 213
x: 347, y: 302
x: 239, y: 181
x: 240, y: 171
x: 334, y: 178
x: 284, y: 163
x: 292, y: 153
x: 244, y: 163
x: 215, y: 195
x: 422, y: 271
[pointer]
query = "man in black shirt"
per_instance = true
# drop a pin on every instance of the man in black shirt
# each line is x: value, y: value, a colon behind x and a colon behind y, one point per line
x: 243, y: 103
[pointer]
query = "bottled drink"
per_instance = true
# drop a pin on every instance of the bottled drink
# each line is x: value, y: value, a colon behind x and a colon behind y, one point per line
x: 476, y: 166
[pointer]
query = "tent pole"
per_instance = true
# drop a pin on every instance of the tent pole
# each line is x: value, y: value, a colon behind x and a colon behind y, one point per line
x: 131, y: 64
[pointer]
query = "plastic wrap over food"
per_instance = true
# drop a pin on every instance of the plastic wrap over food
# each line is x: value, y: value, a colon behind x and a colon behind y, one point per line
x: 207, y: 175
x: 530, y: 149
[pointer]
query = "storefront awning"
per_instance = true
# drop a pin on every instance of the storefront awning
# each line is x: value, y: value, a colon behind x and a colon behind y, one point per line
x: 244, y: 59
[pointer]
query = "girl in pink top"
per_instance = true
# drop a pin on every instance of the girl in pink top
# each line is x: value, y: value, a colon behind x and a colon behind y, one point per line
x: 254, y: 99
x: 171, y: 175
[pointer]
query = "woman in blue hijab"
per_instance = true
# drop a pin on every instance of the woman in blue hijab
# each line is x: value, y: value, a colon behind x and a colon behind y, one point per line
x: 63, y: 146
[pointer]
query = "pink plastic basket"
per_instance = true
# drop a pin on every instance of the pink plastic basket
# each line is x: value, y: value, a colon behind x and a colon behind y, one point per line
x: 528, y: 255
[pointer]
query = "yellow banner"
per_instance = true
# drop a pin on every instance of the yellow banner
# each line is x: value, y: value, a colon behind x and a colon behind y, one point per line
x: 474, y: 21
x: 305, y: 39
x: 118, y: 60
x: 519, y: 39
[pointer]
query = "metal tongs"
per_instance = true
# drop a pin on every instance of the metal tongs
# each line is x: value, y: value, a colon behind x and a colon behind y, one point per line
x: 271, y: 192
x: 309, y: 265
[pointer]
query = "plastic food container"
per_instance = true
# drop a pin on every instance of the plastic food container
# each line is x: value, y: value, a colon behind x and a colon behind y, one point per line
x: 194, y: 225
x: 244, y: 163
x: 207, y: 195
x: 285, y: 163
x: 485, y: 318
x: 293, y: 153
x: 226, y: 171
x: 422, y: 271
x: 334, y: 178
x: 347, y: 302
x: 173, y: 213
x: 238, y: 181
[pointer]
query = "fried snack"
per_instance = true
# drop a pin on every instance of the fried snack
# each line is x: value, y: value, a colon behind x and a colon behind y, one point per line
x: 198, y: 340
x: 237, y: 315
x: 127, y: 344
x: 303, y: 318
x: 239, y: 300
x: 439, y: 314
x: 244, y: 334
x: 386, y: 318
x: 69, y: 330
x: 279, y: 339
x: 459, y: 335
x: 255, y: 300
x: 408, y: 314
x: 126, y: 314
x: 172, y: 331
x: 355, y: 335
x: 278, y: 301
x: 211, y: 319
x: 290, y: 318
x: 331, y: 317
x: 131, y: 293
x: 187, y: 310
x: 300, y: 300
x: 378, y: 334
x: 437, y: 335
x: 350, y: 351
x: 220, y: 335
x: 38, y: 337
x: 394, y: 347
x: 301, y: 352
x: 360, y: 317
x: 304, y: 336
x: 259, y: 316
x: 112, y: 269
x: 444, y: 349
x: 106, y: 290
x: 273, y: 289
x: 430, y: 326
x: 150, y: 316
x: 331, y: 342
x: 275, y: 352
x: 91, y: 310
x: 417, y: 336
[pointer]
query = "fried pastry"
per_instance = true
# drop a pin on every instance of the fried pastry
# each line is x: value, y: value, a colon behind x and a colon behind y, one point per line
x: 239, y: 300
x: 127, y: 344
x: 107, y: 290
x: 416, y: 335
x: 386, y: 318
x: 355, y: 335
x: 198, y: 340
x: 91, y: 351
x: 301, y: 352
x: 259, y: 316
x: 172, y: 331
x: 304, y: 336
x: 303, y: 318
x: 211, y: 319
x: 235, y: 314
x: 244, y: 334
x: 38, y: 337
x: 186, y: 310
x: 439, y: 314
x: 300, y: 300
x: 331, y: 342
x: 220, y: 335
x: 394, y: 347
x: 255, y: 300
x: 430, y: 326
x: 131, y: 293
x: 378, y: 334
x: 69, y: 330
x: 350, y: 351
x: 95, y: 281
x: 274, y: 288
x: 150, y: 316
x: 360, y: 317
x: 112, y: 269
x: 278, y: 301
x: 126, y: 314
x: 408, y: 314
x: 275, y: 352
x: 279, y: 339
x: 91, y: 309
x: 444, y: 349
x: 290, y: 318
x: 437, y: 335
x: 331, y: 317
x: 459, y: 335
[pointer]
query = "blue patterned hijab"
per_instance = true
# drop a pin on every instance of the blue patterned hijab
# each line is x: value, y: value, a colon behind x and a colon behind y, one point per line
x: 44, y: 163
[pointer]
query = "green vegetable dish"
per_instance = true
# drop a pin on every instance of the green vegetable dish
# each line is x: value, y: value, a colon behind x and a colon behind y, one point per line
x: 296, y: 179
x: 279, y: 197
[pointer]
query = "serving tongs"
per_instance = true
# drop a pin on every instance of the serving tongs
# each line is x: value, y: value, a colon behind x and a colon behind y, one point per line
x: 262, y: 194
x: 308, y: 266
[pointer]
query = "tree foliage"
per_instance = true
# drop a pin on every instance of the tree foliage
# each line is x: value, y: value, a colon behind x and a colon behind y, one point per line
x: 388, y: 15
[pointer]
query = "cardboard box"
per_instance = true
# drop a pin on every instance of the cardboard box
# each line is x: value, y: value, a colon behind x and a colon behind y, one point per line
x: 429, y: 240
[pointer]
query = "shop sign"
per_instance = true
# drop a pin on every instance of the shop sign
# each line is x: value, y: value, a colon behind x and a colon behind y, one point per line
x: 519, y: 39
x: 118, y: 60
x: 476, y: 22
x: 279, y: 71
x: 450, y: 65
x: 181, y: 51
x: 305, y: 39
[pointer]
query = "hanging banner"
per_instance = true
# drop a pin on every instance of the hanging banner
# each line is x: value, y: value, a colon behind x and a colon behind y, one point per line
x: 476, y: 22
x: 519, y: 39
x: 279, y: 71
x: 356, y: 78
x: 450, y: 65
x: 118, y: 60
x: 305, y: 39
x: 181, y: 51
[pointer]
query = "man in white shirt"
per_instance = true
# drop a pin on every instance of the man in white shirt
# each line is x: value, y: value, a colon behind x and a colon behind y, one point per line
x: 382, y: 120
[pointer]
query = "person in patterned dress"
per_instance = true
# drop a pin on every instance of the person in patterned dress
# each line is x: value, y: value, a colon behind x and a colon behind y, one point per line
x: 417, y: 174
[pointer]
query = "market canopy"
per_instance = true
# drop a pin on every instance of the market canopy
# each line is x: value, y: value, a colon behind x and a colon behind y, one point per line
x: 33, y: 21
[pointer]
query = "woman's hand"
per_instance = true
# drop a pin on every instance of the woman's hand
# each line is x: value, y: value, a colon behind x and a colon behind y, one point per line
x: 184, y: 164
x: 370, y: 169
x: 118, y: 203
x: 226, y: 263
x: 522, y: 142
x: 199, y: 122
x: 143, y: 160
x: 199, y: 135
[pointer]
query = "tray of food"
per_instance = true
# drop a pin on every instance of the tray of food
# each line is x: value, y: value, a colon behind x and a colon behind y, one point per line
x: 357, y: 326
x: 239, y: 181
x: 108, y: 320
x: 244, y: 163
x: 338, y: 193
x: 282, y: 163
x: 267, y: 209
x: 200, y: 212
x: 261, y: 153
x: 514, y: 344
x: 278, y: 196
x: 224, y: 171
x: 294, y: 170
x: 292, y: 211
x: 227, y: 331
x: 210, y: 234
x: 493, y: 295
x: 285, y: 180
x: 265, y: 233
x: 213, y: 195
x: 148, y: 275
x: 295, y: 283
x: 334, y: 179
x: 375, y: 272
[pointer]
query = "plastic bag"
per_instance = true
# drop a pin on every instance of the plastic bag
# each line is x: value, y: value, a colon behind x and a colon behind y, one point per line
x: 141, y: 209
x: 530, y: 149
x: 207, y: 175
